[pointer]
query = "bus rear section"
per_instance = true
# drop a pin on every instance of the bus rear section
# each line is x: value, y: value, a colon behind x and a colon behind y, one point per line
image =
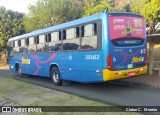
x: 127, y: 52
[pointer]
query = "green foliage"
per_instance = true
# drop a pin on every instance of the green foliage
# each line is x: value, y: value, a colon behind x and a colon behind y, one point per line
x: 151, y: 12
x: 95, y: 6
x: 127, y: 8
x: 51, y: 12
x: 10, y: 25
x: 137, y: 6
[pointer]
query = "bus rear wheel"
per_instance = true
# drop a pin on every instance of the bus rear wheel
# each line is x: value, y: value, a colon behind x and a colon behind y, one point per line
x: 55, y: 75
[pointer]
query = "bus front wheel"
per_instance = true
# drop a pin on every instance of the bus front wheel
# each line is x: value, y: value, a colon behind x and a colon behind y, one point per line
x: 55, y: 75
x: 18, y: 70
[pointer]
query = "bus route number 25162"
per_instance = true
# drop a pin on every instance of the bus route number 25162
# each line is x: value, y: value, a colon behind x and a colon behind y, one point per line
x: 92, y: 57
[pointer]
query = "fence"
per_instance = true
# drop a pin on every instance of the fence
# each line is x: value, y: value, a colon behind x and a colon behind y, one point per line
x: 3, y: 58
x: 156, y: 66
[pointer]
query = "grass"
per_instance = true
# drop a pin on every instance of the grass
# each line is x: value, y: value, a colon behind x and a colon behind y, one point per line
x: 67, y: 100
x: 37, y: 97
x: 8, y: 85
x: 34, y: 95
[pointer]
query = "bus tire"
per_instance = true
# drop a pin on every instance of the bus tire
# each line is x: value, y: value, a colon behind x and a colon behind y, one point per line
x: 19, y: 71
x: 55, y: 75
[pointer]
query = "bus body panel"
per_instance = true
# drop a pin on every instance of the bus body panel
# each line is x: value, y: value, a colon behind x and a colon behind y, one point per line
x: 74, y: 66
x: 127, y: 49
x: 85, y: 66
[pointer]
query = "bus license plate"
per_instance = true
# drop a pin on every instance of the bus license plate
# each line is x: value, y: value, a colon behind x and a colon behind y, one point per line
x: 131, y: 73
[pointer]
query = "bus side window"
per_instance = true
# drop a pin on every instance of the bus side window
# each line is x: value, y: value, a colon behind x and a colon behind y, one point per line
x: 77, y: 32
x: 16, y: 48
x: 82, y: 31
x: 46, y: 38
x: 49, y: 37
x: 89, y: 39
x: 10, y: 48
x: 27, y: 41
x: 41, y: 43
x: 64, y: 34
x: 19, y: 46
x: 32, y: 45
x: 60, y: 38
x: 72, y: 41
x: 55, y: 43
x: 13, y: 43
x: 24, y: 46
x: 36, y: 40
x: 95, y: 29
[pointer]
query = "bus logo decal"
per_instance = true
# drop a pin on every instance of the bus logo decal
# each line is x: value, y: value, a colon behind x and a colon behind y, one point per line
x: 125, y: 56
x: 38, y: 61
x: 25, y: 60
x: 70, y: 57
x: 130, y: 50
x: 114, y: 59
x: 137, y: 59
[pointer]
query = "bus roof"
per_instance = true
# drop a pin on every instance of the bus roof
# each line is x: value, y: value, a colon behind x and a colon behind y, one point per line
x: 68, y: 24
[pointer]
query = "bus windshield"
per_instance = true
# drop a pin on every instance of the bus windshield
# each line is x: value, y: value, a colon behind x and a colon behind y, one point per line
x: 126, y: 30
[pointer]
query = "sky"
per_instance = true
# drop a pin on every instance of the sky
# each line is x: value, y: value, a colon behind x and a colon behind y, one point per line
x: 17, y: 5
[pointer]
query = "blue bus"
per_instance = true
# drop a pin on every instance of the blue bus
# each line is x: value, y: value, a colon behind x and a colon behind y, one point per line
x: 102, y: 47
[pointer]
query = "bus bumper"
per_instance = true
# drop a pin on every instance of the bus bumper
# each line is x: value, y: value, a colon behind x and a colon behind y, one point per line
x: 113, y: 75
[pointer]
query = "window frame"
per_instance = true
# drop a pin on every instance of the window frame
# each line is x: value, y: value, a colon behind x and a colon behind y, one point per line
x: 60, y: 39
x: 99, y: 35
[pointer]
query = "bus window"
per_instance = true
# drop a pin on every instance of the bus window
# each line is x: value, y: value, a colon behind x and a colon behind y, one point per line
x: 64, y: 34
x: 48, y: 37
x: 72, y: 42
x: 95, y: 29
x: 77, y: 32
x: 10, y: 47
x: 19, y: 46
x: 82, y: 31
x: 89, y: 39
x: 129, y: 31
x: 41, y: 43
x: 13, y: 43
x: 16, y: 48
x: 36, y: 40
x: 32, y: 45
x: 55, y: 43
x: 60, y: 38
x: 24, y: 47
x: 19, y: 43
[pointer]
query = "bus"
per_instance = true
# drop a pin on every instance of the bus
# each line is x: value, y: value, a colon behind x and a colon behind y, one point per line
x: 98, y: 48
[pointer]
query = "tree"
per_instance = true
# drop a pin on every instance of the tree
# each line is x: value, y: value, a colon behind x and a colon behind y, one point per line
x: 10, y: 25
x: 95, y: 6
x: 127, y: 8
x: 151, y: 12
x: 51, y: 12
x: 137, y: 6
